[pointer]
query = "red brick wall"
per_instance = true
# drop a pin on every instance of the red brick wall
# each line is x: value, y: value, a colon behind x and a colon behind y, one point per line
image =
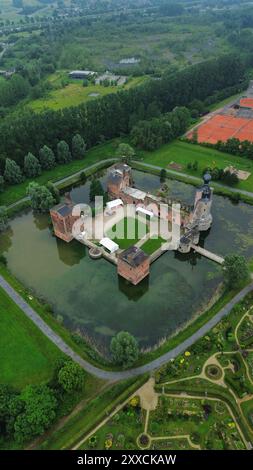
x: 134, y: 275
x: 63, y: 225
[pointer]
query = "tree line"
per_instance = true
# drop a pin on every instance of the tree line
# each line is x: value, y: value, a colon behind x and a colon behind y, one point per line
x: 232, y: 146
x: 111, y: 116
x: 33, y: 166
x: 28, y: 413
x: 151, y: 134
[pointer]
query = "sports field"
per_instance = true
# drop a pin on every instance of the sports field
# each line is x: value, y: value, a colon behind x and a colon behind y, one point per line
x: 223, y: 127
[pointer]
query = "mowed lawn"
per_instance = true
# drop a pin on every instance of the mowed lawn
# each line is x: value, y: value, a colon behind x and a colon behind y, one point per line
x: 27, y: 356
x: 128, y: 231
x: 184, y: 153
x: 152, y: 244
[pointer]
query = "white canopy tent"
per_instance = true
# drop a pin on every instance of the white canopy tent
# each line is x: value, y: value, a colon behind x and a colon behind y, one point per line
x: 109, y: 244
x: 144, y: 211
x: 115, y: 203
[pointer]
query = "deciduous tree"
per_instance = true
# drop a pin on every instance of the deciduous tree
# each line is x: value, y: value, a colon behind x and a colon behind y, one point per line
x: 125, y: 151
x: 32, y: 166
x: 124, y: 349
x: 71, y: 377
x: 78, y: 147
x: 41, y: 197
x: 12, y: 173
x: 39, y: 412
x: 47, y: 158
x: 235, y: 270
x: 63, y: 152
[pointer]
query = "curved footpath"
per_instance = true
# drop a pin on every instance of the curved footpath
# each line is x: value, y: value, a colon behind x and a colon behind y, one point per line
x: 110, y: 375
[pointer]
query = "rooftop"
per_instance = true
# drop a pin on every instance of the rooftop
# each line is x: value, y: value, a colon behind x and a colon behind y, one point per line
x: 82, y: 72
x: 63, y: 209
x: 133, y: 256
x: 122, y: 167
x: 115, y: 176
x: 109, y: 244
x: 114, y: 203
x: 135, y: 193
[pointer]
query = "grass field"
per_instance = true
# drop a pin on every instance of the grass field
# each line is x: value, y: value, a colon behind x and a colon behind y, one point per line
x: 131, y: 226
x: 74, y: 93
x: 71, y: 95
x: 27, y: 356
x: 183, y: 153
x: 151, y: 245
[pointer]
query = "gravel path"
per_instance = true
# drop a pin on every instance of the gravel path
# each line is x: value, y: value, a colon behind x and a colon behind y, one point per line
x: 110, y: 375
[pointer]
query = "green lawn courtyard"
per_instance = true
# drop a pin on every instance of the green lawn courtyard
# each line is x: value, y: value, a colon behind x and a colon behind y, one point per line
x: 152, y: 244
x: 131, y: 230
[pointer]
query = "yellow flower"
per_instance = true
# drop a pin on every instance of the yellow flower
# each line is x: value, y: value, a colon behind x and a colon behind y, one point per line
x: 134, y: 401
x: 108, y: 443
x: 187, y: 353
x: 231, y: 425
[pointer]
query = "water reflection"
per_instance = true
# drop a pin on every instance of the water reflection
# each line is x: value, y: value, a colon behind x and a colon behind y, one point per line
x: 133, y: 292
x: 6, y: 240
x: 94, y: 300
x: 41, y: 221
x: 70, y: 253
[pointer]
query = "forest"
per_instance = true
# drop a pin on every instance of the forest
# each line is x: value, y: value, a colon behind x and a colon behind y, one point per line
x: 174, y: 46
x: 160, y: 35
x: 109, y: 116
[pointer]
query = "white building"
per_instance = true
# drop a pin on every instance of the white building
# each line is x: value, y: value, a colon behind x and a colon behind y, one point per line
x: 109, y: 245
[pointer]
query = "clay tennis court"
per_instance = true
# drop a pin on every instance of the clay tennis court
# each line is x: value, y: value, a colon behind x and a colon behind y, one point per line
x: 223, y: 127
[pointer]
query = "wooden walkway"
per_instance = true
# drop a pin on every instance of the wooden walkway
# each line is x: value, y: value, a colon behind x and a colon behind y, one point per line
x: 208, y: 254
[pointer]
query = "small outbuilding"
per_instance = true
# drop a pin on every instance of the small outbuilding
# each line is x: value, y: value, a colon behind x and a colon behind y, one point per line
x: 143, y: 211
x: 109, y: 244
x: 81, y: 74
x: 114, y: 204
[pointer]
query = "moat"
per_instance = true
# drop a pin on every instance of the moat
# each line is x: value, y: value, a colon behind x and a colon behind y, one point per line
x: 91, y: 297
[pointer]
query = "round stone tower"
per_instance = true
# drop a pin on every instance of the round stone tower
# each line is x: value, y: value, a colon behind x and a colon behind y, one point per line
x: 203, y: 202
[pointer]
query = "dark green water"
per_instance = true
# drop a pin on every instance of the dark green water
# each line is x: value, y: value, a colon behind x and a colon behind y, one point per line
x: 92, y: 298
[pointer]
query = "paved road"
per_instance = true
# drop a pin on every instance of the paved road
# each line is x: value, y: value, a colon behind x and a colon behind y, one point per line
x: 109, y: 375
x: 97, y: 165
x: 194, y: 178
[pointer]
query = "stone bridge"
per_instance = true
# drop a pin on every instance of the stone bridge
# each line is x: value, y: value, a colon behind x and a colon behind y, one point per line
x: 208, y: 254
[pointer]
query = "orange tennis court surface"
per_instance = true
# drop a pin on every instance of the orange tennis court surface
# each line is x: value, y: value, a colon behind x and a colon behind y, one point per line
x: 246, y: 102
x: 224, y: 127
